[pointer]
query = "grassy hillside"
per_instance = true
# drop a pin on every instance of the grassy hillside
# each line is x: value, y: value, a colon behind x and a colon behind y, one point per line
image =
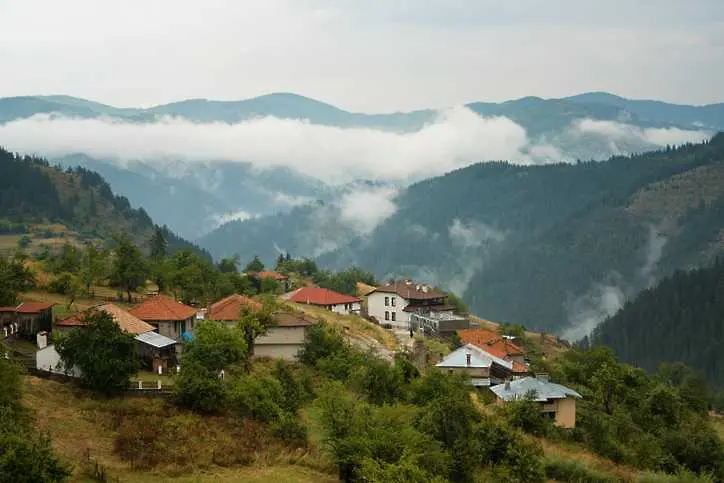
x: 77, y: 205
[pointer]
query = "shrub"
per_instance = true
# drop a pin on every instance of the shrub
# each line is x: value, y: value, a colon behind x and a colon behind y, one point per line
x: 573, y: 471
x: 681, y: 476
x: 257, y: 398
x: 199, y: 389
x: 289, y: 429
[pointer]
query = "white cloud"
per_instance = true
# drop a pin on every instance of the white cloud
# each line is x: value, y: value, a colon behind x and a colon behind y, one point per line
x: 473, y: 234
x: 620, y: 134
x: 592, y: 308
x: 457, y: 138
x: 240, y: 215
x: 365, y: 209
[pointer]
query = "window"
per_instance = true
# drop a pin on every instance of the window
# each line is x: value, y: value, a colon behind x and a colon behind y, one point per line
x: 387, y: 315
x: 393, y: 301
x: 387, y: 301
x: 393, y: 316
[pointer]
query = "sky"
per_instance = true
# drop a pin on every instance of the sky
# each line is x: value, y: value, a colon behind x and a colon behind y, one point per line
x: 367, y: 56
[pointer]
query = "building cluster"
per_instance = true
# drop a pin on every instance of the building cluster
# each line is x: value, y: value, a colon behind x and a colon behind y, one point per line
x: 160, y: 324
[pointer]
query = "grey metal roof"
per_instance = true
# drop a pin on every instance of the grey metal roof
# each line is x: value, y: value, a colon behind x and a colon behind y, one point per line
x: 478, y: 358
x: 544, y: 390
x: 155, y: 339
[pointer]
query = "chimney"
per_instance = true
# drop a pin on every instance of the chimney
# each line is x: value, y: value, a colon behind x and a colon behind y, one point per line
x: 424, y: 288
x: 468, y: 357
x: 544, y: 377
x: 507, y: 385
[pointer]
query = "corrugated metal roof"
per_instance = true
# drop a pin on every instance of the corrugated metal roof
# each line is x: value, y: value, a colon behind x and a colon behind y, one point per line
x: 544, y: 390
x: 478, y: 358
x: 155, y: 339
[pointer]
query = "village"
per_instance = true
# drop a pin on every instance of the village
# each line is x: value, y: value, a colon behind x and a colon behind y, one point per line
x: 415, y: 314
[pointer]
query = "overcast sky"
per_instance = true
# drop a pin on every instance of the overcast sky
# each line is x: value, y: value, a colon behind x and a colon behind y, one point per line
x: 372, y: 55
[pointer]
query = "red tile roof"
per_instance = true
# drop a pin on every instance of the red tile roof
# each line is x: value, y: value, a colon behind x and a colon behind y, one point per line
x: 229, y: 308
x: 161, y: 307
x: 487, y: 339
x: 125, y: 320
x: 29, y: 307
x: 275, y: 275
x: 411, y: 290
x: 321, y: 296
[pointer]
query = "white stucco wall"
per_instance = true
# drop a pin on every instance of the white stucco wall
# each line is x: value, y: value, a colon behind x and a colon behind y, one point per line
x: 339, y: 309
x: 288, y: 352
x: 48, y: 359
x: 376, y: 308
x: 282, y: 335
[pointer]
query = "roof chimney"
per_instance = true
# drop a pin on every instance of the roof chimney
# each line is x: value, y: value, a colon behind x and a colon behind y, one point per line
x: 507, y: 385
x: 544, y: 377
x: 468, y: 358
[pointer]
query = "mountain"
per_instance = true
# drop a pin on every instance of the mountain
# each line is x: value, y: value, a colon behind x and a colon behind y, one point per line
x: 195, y: 198
x: 553, y: 247
x: 33, y: 193
x: 678, y: 320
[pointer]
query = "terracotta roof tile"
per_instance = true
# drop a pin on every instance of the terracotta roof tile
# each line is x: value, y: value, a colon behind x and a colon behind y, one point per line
x: 321, y: 296
x: 488, y: 339
x: 125, y: 320
x: 161, y: 307
x: 30, y: 307
x: 229, y: 308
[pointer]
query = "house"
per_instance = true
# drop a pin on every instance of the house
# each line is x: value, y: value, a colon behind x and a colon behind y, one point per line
x: 126, y: 321
x: 280, y: 278
x: 498, y: 346
x: 170, y: 318
x: 556, y: 400
x: 48, y: 359
x: 283, y: 340
x: 26, y: 319
x: 483, y: 368
x: 154, y: 349
x: 412, y: 305
x: 228, y: 309
x: 157, y: 352
x: 328, y: 299
x: 286, y: 339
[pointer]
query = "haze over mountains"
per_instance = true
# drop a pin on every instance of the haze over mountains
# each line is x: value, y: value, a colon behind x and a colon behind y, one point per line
x: 287, y: 173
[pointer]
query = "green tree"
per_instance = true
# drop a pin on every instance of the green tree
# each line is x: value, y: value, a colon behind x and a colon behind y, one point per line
x: 199, y: 389
x: 229, y: 265
x: 158, y: 244
x: 193, y: 277
x: 129, y: 268
x: 105, y: 355
x: 24, y: 242
x: 15, y: 277
x: 93, y: 267
x: 25, y: 455
x: 254, y: 323
x: 254, y: 266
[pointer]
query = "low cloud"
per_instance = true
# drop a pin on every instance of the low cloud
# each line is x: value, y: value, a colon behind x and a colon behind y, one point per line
x: 592, y: 308
x: 363, y: 209
x: 654, y: 251
x: 458, y: 137
x: 240, y: 215
x: 621, y: 135
x: 473, y: 234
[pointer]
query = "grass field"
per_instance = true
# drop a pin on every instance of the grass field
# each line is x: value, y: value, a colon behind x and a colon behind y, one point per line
x: 80, y: 426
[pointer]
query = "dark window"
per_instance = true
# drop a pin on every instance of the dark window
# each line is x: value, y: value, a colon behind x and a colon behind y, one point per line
x: 393, y: 301
x: 393, y: 316
x: 387, y: 301
x: 387, y: 315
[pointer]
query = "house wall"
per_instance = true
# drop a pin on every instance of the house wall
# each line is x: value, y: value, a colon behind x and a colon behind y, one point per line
x: 376, y: 308
x: 340, y: 308
x: 287, y: 352
x: 566, y: 412
x: 172, y: 328
x: 470, y: 371
x: 48, y: 359
x: 282, y: 335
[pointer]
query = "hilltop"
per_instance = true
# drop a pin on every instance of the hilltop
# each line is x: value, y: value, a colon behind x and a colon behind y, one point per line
x: 44, y: 206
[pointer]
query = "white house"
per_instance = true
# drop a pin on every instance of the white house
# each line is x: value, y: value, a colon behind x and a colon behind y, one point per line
x: 328, y: 299
x: 482, y: 367
x: 48, y: 359
x: 394, y: 303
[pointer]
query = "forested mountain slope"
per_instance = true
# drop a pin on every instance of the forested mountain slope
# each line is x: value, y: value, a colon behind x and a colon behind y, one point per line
x: 553, y: 246
x: 679, y: 320
x: 33, y: 192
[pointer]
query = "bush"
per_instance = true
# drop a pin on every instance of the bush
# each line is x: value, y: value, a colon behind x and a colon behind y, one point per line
x: 681, y: 476
x: 289, y: 429
x: 199, y: 389
x: 573, y: 471
x: 526, y: 415
x: 257, y: 398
